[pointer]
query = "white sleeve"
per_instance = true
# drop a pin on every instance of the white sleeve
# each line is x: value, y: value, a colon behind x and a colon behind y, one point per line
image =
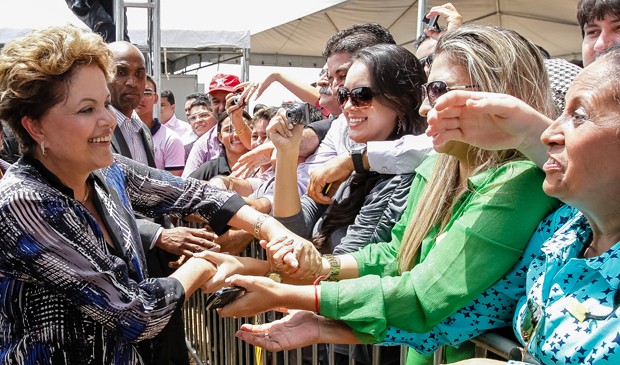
x: 401, y: 156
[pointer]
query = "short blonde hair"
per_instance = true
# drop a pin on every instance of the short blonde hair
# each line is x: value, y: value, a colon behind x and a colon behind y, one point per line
x: 35, y: 72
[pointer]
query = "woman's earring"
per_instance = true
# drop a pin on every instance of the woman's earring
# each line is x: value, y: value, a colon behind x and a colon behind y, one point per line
x: 398, y: 127
x: 42, y: 144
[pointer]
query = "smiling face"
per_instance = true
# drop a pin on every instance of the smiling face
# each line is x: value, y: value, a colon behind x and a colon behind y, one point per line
x: 232, y: 144
x: 218, y: 101
x: 338, y: 66
x: 370, y: 123
x: 259, y: 132
x: 201, y: 119
x: 78, y: 130
x: 583, y: 142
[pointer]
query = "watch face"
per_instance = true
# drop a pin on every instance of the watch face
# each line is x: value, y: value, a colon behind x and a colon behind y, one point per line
x: 358, y: 148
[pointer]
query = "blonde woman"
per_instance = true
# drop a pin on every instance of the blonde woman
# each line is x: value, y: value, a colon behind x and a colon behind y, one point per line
x: 469, y: 216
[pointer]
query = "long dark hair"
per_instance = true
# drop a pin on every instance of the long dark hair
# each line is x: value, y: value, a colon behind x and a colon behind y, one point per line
x: 397, y: 77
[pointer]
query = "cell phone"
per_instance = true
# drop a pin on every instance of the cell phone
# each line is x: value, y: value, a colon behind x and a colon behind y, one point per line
x: 431, y: 24
x: 326, y: 189
x: 224, y: 296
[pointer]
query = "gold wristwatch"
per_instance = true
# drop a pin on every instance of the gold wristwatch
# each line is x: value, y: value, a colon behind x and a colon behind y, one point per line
x: 334, y: 267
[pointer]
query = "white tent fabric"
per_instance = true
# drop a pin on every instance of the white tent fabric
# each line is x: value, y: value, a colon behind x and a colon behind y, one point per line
x: 551, y: 24
x: 277, y: 40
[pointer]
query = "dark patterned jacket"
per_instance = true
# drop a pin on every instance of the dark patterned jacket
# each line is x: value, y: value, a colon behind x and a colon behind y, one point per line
x: 67, y: 296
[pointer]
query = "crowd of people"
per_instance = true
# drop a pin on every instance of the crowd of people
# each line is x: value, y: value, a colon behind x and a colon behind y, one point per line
x: 403, y: 199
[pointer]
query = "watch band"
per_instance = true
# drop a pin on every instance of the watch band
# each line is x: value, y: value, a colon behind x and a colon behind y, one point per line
x: 334, y: 267
x: 358, y: 162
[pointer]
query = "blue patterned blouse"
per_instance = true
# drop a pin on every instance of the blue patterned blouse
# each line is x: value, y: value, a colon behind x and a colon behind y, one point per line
x: 578, y: 297
x: 67, y: 296
x: 578, y: 300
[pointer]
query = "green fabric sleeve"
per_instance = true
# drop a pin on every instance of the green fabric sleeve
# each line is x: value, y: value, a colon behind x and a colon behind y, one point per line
x: 487, y: 234
x: 380, y: 258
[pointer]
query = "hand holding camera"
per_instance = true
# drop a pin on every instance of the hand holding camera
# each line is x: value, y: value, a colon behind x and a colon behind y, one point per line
x: 284, y: 135
x: 448, y: 12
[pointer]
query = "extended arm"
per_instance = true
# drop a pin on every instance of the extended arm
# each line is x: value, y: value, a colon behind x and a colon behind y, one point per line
x: 303, y: 91
x: 297, y: 329
x: 490, y: 121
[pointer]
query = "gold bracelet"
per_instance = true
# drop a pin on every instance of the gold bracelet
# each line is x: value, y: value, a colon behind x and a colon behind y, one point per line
x: 258, y: 224
x: 245, y: 127
x: 334, y: 267
x: 275, y: 276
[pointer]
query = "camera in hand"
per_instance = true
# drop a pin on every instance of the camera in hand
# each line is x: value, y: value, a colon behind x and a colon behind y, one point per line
x: 297, y: 113
x: 224, y: 296
x: 431, y: 23
x: 236, y: 99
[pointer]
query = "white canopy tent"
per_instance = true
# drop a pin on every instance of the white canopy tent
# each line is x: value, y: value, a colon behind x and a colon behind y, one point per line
x: 551, y: 24
x: 289, y: 33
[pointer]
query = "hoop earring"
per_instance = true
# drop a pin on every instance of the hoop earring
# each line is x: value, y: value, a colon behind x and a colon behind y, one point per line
x: 42, y: 145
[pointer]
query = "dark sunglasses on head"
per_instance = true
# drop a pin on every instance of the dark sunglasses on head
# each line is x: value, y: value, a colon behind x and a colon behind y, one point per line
x: 427, y: 60
x: 433, y: 90
x: 360, y: 96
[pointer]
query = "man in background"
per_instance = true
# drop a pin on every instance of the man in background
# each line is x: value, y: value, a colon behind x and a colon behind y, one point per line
x: 168, y: 148
x: 169, y: 119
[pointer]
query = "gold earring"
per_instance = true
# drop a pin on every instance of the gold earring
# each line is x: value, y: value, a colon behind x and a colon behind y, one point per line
x: 43, y: 148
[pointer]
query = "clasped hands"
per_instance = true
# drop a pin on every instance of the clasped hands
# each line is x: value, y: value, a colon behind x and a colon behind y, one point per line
x: 295, y: 258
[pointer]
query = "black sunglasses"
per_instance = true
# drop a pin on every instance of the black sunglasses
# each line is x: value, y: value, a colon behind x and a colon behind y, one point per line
x: 427, y: 60
x: 529, y: 324
x: 360, y: 96
x: 433, y: 90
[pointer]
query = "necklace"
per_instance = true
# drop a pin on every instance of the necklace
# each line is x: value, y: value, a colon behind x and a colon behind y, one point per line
x: 87, y: 194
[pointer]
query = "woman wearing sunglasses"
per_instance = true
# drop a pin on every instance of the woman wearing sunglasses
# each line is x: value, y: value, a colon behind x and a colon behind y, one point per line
x: 379, y: 103
x: 569, y: 312
x: 469, y: 215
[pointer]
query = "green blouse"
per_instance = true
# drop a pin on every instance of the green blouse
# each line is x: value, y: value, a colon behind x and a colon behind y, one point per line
x: 488, y: 230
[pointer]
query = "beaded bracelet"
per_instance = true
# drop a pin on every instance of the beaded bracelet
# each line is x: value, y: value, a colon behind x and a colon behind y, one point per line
x: 258, y: 224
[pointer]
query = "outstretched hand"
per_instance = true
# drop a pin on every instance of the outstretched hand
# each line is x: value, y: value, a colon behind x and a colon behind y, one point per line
x: 261, y: 294
x: 250, y: 161
x: 488, y: 120
x: 227, y: 265
x: 186, y: 241
x: 297, y: 329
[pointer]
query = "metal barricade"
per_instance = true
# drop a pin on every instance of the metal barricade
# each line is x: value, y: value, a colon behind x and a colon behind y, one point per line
x: 211, y: 339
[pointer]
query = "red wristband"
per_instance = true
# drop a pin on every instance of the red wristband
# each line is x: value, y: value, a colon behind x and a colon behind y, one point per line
x: 317, y: 302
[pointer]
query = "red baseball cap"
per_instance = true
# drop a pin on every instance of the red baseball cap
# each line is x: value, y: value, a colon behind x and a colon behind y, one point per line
x: 224, y: 82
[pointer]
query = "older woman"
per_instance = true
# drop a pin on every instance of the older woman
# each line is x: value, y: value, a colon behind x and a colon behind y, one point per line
x: 570, y: 313
x: 74, y: 283
x: 469, y: 215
